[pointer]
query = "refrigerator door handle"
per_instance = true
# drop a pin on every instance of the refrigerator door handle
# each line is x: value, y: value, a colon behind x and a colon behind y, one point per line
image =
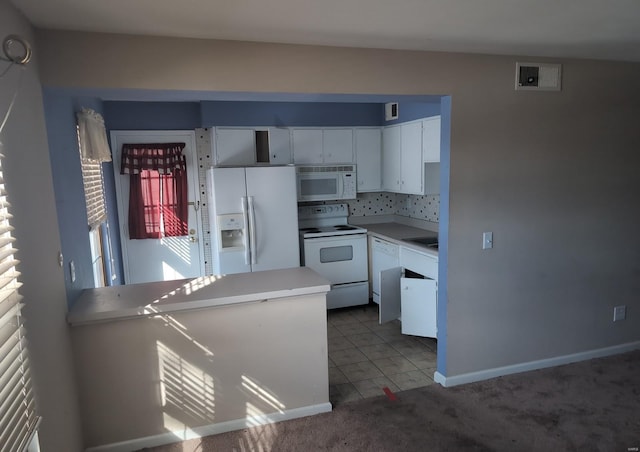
x: 246, y: 242
x: 252, y: 231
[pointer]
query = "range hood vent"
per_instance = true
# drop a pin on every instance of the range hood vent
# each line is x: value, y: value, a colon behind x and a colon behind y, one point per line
x: 538, y: 76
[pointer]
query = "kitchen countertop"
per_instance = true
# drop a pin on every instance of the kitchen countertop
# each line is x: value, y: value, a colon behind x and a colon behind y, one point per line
x: 395, y: 232
x: 139, y: 300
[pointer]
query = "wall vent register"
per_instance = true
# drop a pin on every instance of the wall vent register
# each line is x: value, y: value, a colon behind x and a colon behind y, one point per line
x: 538, y: 76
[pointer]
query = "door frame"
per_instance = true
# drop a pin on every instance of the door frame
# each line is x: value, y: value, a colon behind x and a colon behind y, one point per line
x: 189, y: 137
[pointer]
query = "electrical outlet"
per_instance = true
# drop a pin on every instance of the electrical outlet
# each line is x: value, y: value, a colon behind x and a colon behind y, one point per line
x: 619, y: 313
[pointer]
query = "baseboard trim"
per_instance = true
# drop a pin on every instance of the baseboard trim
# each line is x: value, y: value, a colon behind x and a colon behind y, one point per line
x: 472, y: 377
x: 212, y: 429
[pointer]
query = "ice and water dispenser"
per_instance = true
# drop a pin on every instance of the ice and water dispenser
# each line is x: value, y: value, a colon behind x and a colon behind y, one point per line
x: 231, y: 231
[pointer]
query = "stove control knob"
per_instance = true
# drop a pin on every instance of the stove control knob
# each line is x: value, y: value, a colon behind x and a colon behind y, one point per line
x: 329, y: 209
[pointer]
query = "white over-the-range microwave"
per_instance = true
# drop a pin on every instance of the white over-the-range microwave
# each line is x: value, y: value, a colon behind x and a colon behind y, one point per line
x: 325, y: 182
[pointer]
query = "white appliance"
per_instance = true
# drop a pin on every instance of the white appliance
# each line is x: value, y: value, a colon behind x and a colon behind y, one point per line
x: 326, y: 182
x: 254, y: 218
x: 336, y: 250
x: 384, y: 255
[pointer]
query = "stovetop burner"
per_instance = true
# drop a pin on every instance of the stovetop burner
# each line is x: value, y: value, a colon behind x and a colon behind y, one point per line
x: 326, y: 221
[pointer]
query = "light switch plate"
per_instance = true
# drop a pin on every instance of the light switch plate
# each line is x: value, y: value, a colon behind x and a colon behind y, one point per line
x: 487, y: 240
x: 619, y: 313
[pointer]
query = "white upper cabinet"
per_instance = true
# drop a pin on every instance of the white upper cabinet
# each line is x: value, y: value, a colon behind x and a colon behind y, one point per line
x: 431, y: 139
x: 317, y: 146
x: 279, y: 146
x: 411, y: 168
x: 391, y: 144
x: 337, y: 145
x: 368, y: 149
x: 307, y: 146
x: 411, y: 156
x: 402, y: 158
x: 234, y: 146
x: 246, y: 146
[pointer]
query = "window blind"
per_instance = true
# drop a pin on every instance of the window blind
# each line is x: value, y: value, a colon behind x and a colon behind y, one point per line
x: 93, y: 192
x: 18, y: 420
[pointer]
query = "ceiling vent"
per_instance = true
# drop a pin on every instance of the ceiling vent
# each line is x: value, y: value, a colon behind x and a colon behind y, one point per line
x: 538, y: 76
x: 391, y: 111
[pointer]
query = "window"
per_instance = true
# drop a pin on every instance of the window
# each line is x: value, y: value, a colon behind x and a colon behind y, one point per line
x: 158, y: 204
x: 92, y: 180
x: 18, y: 420
x: 92, y: 143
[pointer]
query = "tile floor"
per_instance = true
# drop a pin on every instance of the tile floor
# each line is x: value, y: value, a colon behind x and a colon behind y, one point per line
x: 365, y: 357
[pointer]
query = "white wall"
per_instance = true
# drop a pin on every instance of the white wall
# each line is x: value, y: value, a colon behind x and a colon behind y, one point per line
x: 552, y: 174
x: 27, y: 172
x: 207, y: 370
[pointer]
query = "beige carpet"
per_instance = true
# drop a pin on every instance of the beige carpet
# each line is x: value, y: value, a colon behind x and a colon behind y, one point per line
x: 588, y: 406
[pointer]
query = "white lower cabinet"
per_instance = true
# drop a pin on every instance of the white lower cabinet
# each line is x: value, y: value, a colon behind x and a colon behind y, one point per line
x: 418, y: 304
x: 410, y: 292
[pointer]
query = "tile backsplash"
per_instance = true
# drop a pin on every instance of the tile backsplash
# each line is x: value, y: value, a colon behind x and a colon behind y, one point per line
x: 426, y: 207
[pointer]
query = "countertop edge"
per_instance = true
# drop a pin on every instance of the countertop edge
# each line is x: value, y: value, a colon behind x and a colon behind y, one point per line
x: 397, y: 238
x: 97, y: 310
x: 149, y: 311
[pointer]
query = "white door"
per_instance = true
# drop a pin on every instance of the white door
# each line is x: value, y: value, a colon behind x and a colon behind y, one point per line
x: 418, y: 305
x: 235, y: 146
x: 275, y: 243
x: 341, y: 259
x: 170, y: 257
x: 391, y: 143
x: 411, y: 158
x: 307, y: 146
x: 279, y: 146
x: 390, y: 305
x: 337, y: 145
x: 368, y: 158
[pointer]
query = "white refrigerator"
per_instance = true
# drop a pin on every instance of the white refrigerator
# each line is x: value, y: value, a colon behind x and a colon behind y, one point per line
x: 253, y: 213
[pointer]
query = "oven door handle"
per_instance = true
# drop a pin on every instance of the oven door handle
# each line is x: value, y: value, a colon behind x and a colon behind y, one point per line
x: 252, y: 231
x: 245, y: 238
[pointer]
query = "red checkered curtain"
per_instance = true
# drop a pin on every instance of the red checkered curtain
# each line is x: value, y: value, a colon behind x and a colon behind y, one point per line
x: 158, y: 204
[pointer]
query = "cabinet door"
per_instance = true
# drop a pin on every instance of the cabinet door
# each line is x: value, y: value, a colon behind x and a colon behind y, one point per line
x: 368, y: 159
x: 235, y: 147
x: 307, y: 146
x: 279, y: 146
x: 389, y: 294
x: 419, y: 306
x: 431, y: 139
x: 391, y: 143
x: 338, y: 145
x: 411, y: 167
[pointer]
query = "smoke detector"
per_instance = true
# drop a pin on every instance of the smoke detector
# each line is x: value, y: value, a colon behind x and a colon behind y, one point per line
x: 538, y: 76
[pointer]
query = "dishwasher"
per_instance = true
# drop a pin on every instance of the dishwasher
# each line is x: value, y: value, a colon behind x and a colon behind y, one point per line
x: 384, y: 255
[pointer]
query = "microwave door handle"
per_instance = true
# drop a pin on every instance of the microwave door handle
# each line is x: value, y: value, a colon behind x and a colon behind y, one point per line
x: 252, y: 231
x: 245, y: 238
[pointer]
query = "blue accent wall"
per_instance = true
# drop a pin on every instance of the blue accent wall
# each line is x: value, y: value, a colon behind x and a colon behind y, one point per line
x: 443, y: 233
x: 290, y: 114
x: 409, y: 111
x: 60, y: 110
x: 152, y: 115
x: 169, y: 110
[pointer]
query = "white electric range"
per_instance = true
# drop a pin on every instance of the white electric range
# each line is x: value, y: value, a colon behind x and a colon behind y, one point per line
x: 336, y: 250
